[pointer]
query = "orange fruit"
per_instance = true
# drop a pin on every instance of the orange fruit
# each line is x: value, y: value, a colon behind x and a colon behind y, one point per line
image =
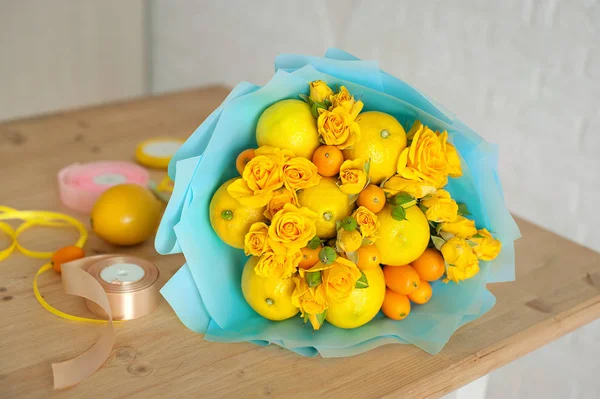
x: 242, y: 159
x: 372, y: 198
x: 309, y: 257
x: 402, y: 279
x: 328, y: 160
x: 126, y: 214
x: 422, y: 294
x: 395, y: 306
x: 368, y: 257
x: 430, y: 265
x: 65, y: 255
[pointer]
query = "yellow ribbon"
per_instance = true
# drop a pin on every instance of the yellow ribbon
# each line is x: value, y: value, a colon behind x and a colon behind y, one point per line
x: 40, y: 218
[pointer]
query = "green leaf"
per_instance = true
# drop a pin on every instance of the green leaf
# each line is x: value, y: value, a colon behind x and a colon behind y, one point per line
x: 362, y: 282
x: 321, y: 317
x: 352, y: 198
x: 423, y: 208
x: 404, y: 199
x: 365, y: 242
x: 478, y: 235
x: 314, y: 110
x: 398, y: 213
x: 306, y: 316
x: 438, y: 242
x: 313, y: 279
x: 463, y: 210
x: 314, y: 243
x: 438, y: 228
x: 368, y: 167
x: 304, y: 97
x: 328, y: 103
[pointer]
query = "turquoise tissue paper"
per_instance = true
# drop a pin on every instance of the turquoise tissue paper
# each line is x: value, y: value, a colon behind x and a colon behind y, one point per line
x: 206, y: 294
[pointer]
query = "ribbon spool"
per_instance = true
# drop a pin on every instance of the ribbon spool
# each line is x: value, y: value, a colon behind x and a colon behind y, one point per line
x: 118, y: 287
x: 157, y: 153
x: 130, y: 285
x: 81, y: 185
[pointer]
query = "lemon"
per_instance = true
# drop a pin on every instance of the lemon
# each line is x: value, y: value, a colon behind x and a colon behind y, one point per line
x: 126, y: 214
x: 400, y: 243
x: 362, y: 305
x: 349, y: 241
x: 270, y: 298
x: 330, y: 204
x: 289, y: 124
x: 382, y: 139
x: 230, y: 219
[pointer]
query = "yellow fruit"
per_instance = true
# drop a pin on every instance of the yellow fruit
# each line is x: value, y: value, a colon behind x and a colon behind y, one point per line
x: 362, y: 305
x: 289, y: 124
x: 270, y: 298
x: 349, y: 241
x: 400, y: 243
x: 230, y: 219
x: 330, y: 204
x: 126, y: 214
x: 382, y: 139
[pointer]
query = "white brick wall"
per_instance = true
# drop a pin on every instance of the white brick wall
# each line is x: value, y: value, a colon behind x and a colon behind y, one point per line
x: 523, y: 73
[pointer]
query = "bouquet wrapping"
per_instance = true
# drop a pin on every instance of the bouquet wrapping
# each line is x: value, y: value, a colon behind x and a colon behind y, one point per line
x: 206, y: 294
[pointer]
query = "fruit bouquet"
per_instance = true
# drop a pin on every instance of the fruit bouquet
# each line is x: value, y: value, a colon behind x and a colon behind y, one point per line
x: 335, y: 198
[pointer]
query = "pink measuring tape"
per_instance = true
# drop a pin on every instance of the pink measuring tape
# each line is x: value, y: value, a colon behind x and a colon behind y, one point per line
x: 80, y: 185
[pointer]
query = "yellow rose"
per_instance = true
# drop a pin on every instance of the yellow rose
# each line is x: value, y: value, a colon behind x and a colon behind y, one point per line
x: 461, y: 227
x: 454, y: 168
x: 280, y: 198
x: 300, y: 173
x: 319, y: 91
x: 486, y: 247
x: 309, y: 300
x: 340, y: 279
x: 337, y: 127
x: 292, y: 228
x: 255, y: 241
x: 261, y: 177
x: 277, y: 266
x: 345, y: 100
x: 440, y: 207
x: 353, y: 176
x: 461, y: 261
x: 367, y: 222
x: 397, y: 184
x: 425, y: 160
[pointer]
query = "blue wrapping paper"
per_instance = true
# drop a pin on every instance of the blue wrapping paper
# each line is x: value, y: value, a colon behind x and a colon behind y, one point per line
x: 206, y: 294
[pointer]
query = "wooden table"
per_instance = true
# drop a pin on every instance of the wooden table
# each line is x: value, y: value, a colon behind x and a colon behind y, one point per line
x: 557, y: 290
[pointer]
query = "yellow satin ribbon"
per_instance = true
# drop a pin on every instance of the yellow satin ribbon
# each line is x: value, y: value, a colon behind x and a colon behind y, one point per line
x: 165, y: 185
x: 47, y: 219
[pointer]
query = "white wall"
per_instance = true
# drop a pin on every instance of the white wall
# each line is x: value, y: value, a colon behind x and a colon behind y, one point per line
x: 523, y: 73
x: 70, y: 53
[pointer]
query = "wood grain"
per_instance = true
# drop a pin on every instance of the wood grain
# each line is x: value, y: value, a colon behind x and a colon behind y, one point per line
x: 557, y: 290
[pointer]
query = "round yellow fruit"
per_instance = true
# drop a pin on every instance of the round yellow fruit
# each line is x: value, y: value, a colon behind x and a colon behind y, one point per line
x: 330, y: 204
x: 230, y: 219
x: 126, y: 214
x: 382, y: 139
x: 289, y: 124
x: 270, y: 298
x: 362, y: 305
x: 400, y: 243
